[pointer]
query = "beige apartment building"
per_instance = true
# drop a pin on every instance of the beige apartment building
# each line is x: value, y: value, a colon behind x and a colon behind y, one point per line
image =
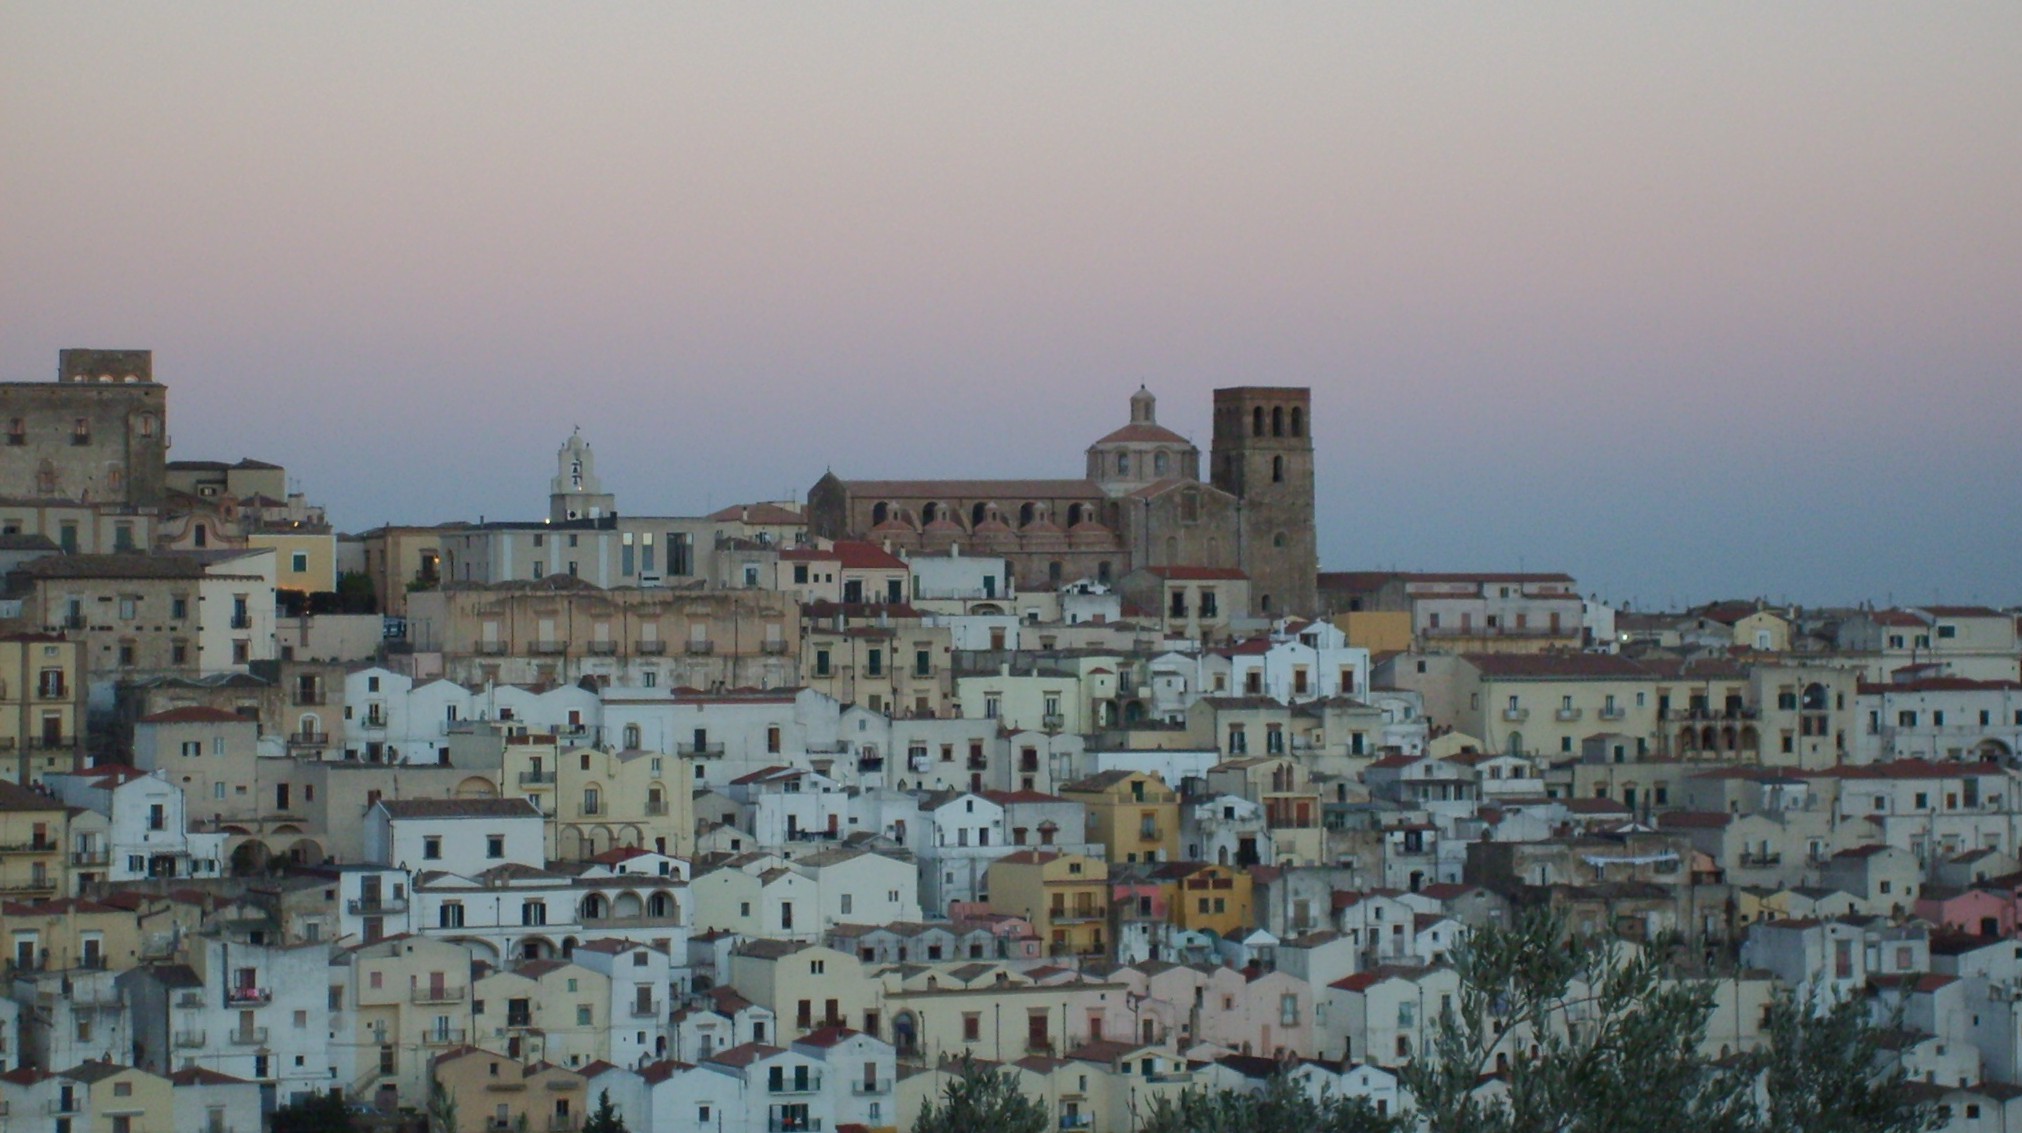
x: 560, y: 630
x: 142, y: 614
x: 41, y: 705
x: 494, y: 1093
x: 595, y: 800
x: 881, y: 656
x: 34, y: 834
x: 396, y: 1004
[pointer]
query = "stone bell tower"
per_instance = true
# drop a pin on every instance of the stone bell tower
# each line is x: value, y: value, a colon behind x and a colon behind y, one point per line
x: 1263, y: 455
x: 575, y: 492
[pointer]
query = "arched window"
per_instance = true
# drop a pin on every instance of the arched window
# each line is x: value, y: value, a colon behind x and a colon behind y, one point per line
x: 1277, y: 470
x: 1298, y: 421
x: 1158, y: 462
x: 1123, y: 464
x: 929, y: 512
x: 631, y: 737
x: 1053, y: 571
x: 1257, y: 421
x: 1075, y: 514
x: 880, y: 513
x: 1025, y: 514
x: 1277, y: 420
x: 978, y: 513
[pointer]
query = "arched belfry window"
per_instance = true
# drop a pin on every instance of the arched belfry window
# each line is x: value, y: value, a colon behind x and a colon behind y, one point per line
x: 1298, y: 421
x: 1278, y: 421
x: 1277, y: 470
x: 1257, y: 421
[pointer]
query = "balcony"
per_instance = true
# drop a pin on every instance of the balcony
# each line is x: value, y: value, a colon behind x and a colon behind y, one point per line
x: 248, y: 996
x: 242, y: 621
x: 603, y: 648
x: 73, y: 621
x: 656, y: 810
x: 1567, y: 715
x: 871, y: 1088
x: 491, y: 648
x: 647, y: 1010
x: 189, y: 1039
x: 309, y: 739
x: 439, y: 994
x: 793, y: 1125
x: 375, y: 906
x: 1053, y: 721
x: 772, y: 648
x: 795, y: 1085
x: 550, y: 647
x: 308, y: 698
x: 1760, y: 860
x: 1150, y: 834
x: 703, y: 749
x: 443, y: 1036
x: 1612, y: 712
x: 52, y: 692
x: 90, y: 857
x: 652, y: 648
x: 1077, y: 1120
x: 537, y: 779
x: 700, y: 647
x: 248, y: 1036
x: 32, y: 846
x: 564, y: 1122
x: 1516, y: 715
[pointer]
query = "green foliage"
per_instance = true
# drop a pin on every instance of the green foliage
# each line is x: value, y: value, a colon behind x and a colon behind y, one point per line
x: 982, y: 1099
x: 441, y: 1109
x: 1583, y: 1037
x: 318, y: 1113
x: 1819, y: 1071
x: 1282, y: 1107
x: 605, y: 1118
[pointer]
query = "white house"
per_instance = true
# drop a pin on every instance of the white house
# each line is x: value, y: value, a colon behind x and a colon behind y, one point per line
x: 966, y: 834
x: 148, y: 832
x: 462, y: 836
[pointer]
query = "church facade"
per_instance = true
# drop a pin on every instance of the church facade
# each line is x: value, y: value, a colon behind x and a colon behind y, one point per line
x: 1140, y: 503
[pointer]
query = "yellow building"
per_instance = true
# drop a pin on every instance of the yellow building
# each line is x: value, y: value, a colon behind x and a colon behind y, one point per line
x: 62, y: 935
x: 110, y: 1098
x: 399, y: 1003
x: 805, y: 986
x: 1378, y: 631
x: 545, y: 1011
x: 1135, y: 816
x: 1065, y: 896
x: 494, y: 1092
x: 34, y: 830
x: 598, y: 800
x: 1207, y: 898
x: 41, y: 705
x: 305, y: 557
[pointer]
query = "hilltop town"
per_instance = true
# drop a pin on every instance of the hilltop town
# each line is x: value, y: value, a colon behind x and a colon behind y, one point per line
x: 755, y: 821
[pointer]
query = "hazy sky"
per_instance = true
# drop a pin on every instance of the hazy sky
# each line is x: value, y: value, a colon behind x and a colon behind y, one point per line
x: 1687, y: 300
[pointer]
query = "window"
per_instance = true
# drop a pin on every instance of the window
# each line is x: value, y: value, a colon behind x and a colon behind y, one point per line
x: 533, y: 912
x: 449, y: 914
x: 494, y: 846
x: 431, y: 848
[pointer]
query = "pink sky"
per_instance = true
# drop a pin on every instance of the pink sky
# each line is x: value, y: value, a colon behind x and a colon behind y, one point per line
x: 1687, y: 300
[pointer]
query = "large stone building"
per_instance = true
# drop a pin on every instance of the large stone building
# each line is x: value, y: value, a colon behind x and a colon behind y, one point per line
x: 97, y: 435
x: 1141, y: 503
